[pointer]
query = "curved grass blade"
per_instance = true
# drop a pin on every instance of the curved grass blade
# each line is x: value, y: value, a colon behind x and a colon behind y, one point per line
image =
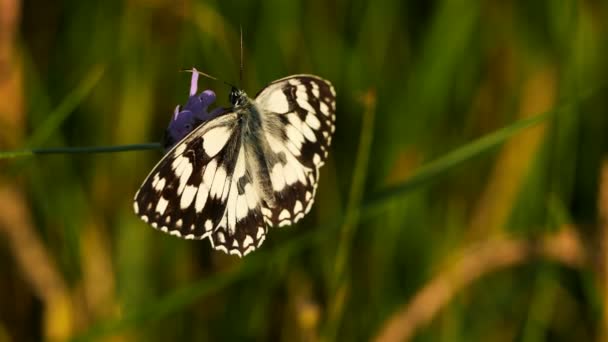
x: 67, y: 107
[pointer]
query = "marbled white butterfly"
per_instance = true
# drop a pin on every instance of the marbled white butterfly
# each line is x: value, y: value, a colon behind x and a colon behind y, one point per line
x: 244, y: 168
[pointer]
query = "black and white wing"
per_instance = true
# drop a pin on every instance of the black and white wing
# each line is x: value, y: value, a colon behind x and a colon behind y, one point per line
x: 213, y: 184
x: 299, y: 121
x: 202, y: 188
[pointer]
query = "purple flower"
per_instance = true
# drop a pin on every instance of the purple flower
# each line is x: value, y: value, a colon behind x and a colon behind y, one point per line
x: 186, y: 118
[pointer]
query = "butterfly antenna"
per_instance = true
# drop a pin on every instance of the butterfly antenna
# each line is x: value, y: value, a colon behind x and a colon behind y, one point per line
x: 241, y: 70
x: 194, y: 70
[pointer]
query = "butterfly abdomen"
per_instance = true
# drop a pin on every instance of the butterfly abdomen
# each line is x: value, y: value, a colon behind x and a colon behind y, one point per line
x: 254, y: 139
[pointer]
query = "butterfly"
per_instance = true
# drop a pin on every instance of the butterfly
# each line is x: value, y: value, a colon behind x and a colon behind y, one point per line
x: 243, y: 169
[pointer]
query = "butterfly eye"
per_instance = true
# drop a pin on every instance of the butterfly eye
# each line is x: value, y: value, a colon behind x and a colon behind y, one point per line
x: 188, y: 127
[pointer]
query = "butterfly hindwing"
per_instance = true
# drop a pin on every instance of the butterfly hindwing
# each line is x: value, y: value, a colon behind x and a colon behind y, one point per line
x: 242, y: 228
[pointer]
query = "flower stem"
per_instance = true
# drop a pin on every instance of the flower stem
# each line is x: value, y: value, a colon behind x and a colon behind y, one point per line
x: 74, y: 150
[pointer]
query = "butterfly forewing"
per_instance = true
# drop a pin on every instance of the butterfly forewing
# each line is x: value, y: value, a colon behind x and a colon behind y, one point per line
x: 184, y: 195
x: 303, y: 108
x: 229, y: 180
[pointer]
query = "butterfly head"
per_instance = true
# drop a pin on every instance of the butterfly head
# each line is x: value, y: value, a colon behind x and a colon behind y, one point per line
x: 237, y: 97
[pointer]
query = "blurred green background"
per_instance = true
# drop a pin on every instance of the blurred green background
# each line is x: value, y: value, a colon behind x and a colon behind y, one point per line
x: 465, y: 198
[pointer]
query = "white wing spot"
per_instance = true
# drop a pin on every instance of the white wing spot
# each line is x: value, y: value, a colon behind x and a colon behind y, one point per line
x: 308, y: 195
x: 136, y: 207
x: 164, y: 229
x: 308, y: 207
x: 178, y: 162
x: 315, y: 89
x: 260, y: 233
x: 308, y: 133
x: 179, y: 223
x: 324, y: 109
x: 154, y: 225
x: 179, y: 150
x: 144, y: 218
x: 261, y: 240
x: 168, y: 219
x: 215, y: 139
x: 316, y: 159
x: 248, y: 241
x: 241, y: 207
x: 284, y: 214
x: 297, y: 207
x: 275, y: 145
x: 295, y: 136
x: 208, y: 225
x: 266, y: 212
x: 176, y: 233
x: 290, y: 173
x: 160, y: 185
x: 221, y: 237
x: 188, y: 196
x: 277, y: 102
x: 209, y: 173
x: 218, y: 182
x: 155, y: 180
x: 190, y: 237
x: 231, y: 208
x: 226, y: 188
x: 292, y: 148
x: 278, y: 180
x: 251, y: 195
x: 161, y: 206
x: 201, y: 198
x: 302, y: 101
x: 312, y: 121
x: 240, y: 169
x: 184, y: 171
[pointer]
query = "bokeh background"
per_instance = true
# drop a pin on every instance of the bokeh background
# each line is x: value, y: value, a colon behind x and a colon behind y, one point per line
x: 465, y: 198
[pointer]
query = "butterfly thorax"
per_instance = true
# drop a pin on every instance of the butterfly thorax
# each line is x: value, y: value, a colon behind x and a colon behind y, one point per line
x: 255, y: 143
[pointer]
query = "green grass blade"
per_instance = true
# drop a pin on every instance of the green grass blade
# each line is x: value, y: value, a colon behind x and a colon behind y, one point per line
x: 434, y: 170
x: 67, y: 107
